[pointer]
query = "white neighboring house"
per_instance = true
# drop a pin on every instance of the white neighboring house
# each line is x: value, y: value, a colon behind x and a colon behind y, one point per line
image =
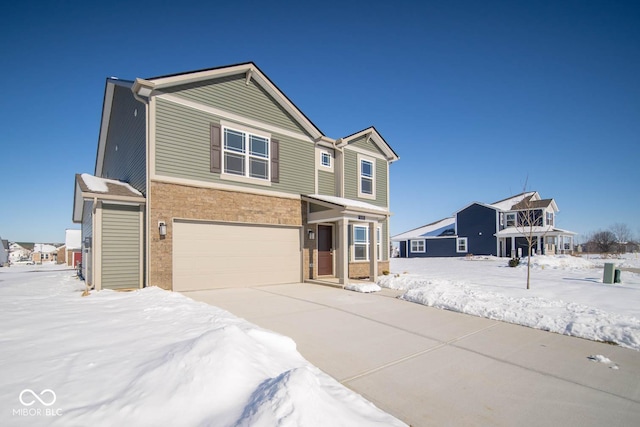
x: 43, y: 252
x: 18, y: 253
x: 4, y: 252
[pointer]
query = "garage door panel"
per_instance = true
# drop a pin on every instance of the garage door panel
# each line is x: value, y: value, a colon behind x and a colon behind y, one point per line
x: 220, y: 255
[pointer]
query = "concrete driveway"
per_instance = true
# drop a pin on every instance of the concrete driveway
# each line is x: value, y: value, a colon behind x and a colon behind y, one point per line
x: 434, y: 367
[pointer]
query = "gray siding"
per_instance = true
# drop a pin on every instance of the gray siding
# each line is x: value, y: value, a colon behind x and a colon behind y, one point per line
x: 87, y: 231
x: 326, y: 183
x: 124, y: 156
x: 183, y: 151
x: 234, y: 95
x: 351, y: 179
x: 120, y: 247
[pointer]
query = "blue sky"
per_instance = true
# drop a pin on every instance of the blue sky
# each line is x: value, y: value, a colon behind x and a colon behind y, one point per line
x: 479, y: 99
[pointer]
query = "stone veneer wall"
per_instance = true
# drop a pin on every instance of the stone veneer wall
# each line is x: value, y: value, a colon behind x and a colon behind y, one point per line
x: 172, y: 201
x: 361, y: 269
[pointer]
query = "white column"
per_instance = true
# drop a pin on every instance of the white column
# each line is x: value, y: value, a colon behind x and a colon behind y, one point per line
x: 343, y: 252
x: 513, y: 247
x: 373, y: 251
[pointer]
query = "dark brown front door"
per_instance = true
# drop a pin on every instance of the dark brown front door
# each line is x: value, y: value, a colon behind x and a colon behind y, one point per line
x: 325, y: 250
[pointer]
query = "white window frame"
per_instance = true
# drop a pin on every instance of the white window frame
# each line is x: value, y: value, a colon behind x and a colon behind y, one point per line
x: 324, y: 155
x: 245, y: 153
x: 508, y: 220
x: 418, y: 241
x: 372, y: 161
x: 365, y: 244
x: 466, y: 245
x: 549, y: 215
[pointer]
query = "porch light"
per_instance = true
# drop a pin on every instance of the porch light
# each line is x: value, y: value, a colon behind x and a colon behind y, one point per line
x: 312, y: 234
x: 162, y: 227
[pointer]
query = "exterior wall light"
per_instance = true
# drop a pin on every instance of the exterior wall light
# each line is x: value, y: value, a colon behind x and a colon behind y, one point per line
x: 312, y: 234
x: 162, y: 228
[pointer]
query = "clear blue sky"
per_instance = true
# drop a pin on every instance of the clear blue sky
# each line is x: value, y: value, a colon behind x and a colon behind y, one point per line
x: 477, y: 97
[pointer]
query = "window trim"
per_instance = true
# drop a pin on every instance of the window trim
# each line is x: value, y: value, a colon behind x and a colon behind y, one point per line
x: 466, y: 245
x: 246, y: 154
x: 424, y: 246
x: 362, y: 158
x: 325, y: 155
x: 365, y: 244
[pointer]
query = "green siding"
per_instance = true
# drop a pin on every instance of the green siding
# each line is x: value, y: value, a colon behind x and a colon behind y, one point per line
x: 363, y: 144
x: 120, y: 247
x: 234, y: 95
x: 125, y: 150
x: 326, y: 183
x: 183, y: 151
x: 351, y: 179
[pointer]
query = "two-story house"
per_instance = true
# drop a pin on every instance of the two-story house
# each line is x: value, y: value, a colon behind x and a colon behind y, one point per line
x: 214, y: 178
x: 501, y: 228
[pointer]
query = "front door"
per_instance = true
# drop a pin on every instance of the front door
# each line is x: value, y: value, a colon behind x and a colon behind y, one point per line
x: 325, y: 250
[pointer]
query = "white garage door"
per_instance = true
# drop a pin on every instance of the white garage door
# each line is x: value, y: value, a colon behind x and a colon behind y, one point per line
x: 223, y: 255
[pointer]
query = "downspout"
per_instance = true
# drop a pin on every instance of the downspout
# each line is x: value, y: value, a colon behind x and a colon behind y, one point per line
x: 138, y: 87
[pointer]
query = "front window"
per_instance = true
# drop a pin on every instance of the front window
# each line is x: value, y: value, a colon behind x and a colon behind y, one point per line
x: 549, y: 218
x: 417, y: 246
x: 246, y: 154
x: 360, y: 242
x: 511, y: 219
x: 461, y: 244
x: 366, y: 177
x: 325, y: 159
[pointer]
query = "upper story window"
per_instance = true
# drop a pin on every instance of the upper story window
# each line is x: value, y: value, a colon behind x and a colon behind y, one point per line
x: 549, y: 218
x: 366, y: 177
x: 511, y: 219
x: 325, y: 159
x: 245, y: 154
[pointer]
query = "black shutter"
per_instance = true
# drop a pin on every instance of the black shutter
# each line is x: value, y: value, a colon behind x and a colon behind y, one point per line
x: 275, y: 160
x: 216, y: 149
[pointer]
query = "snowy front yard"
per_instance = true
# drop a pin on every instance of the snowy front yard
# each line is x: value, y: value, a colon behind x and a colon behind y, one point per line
x: 567, y: 295
x: 152, y: 358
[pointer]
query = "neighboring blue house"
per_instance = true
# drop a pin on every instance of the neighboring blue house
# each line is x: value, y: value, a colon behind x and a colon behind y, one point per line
x: 496, y: 229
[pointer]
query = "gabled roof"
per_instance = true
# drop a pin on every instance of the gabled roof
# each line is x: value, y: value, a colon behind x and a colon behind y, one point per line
x: 507, y: 204
x: 145, y: 88
x: 374, y: 136
x: 426, y: 230
x: 535, y: 204
x: 92, y: 187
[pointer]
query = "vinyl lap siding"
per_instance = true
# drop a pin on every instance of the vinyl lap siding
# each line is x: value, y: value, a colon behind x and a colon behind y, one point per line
x: 234, y: 95
x: 183, y: 151
x: 369, y: 146
x: 124, y: 157
x: 326, y: 183
x: 120, y: 247
x: 351, y: 177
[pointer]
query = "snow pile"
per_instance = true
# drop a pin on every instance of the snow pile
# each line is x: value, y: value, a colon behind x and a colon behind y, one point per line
x: 603, y: 359
x: 363, y: 287
x: 565, y: 298
x: 99, y: 185
x: 558, y: 262
x: 153, y: 357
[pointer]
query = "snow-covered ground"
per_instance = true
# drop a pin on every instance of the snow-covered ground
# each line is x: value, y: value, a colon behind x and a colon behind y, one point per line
x: 567, y: 295
x: 152, y: 358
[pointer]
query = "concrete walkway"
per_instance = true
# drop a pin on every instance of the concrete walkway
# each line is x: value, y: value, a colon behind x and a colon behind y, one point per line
x: 433, y: 367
